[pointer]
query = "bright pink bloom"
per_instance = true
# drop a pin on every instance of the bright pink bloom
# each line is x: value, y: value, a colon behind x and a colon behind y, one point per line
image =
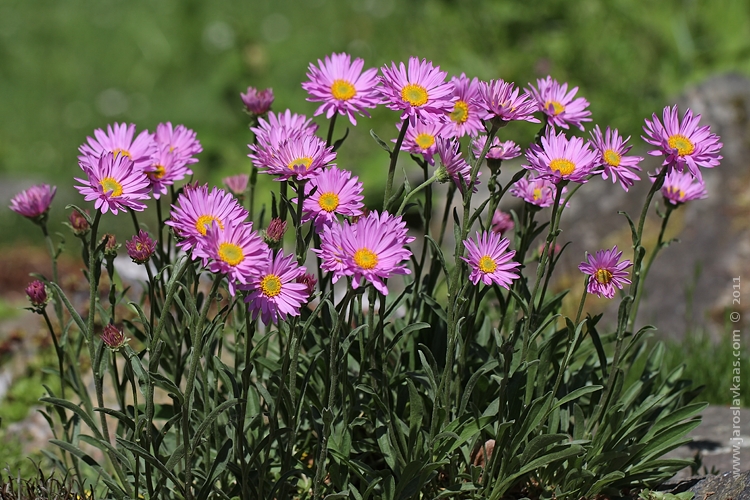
x: 34, y: 202
x: 237, y: 184
x: 502, y: 102
x: 421, y: 92
x: 278, y: 127
x: 164, y: 171
x: 489, y: 260
x: 466, y: 116
x: 276, y: 293
x: 342, y: 87
x: 506, y: 150
x: 235, y: 250
x: 140, y: 247
x: 454, y: 163
x: 331, y: 252
x: 559, y: 105
x: 681, y: 187
x: 536, y: 190
x: 299, y: 157
x: 257, y: 102
x: 560, y: 158
x: 197, y: 209
x: 180, y: 141
x: 605, y: 272
x: 119, y: 140
x: 502, y: 222
x: 611, y: 149
x: 114, y: 182
x: 684, y: 144
x: 421, y: 138
x: 336, y: 192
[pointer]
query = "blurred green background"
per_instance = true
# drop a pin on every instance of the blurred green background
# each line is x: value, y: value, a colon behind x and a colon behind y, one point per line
x: 68, y: 67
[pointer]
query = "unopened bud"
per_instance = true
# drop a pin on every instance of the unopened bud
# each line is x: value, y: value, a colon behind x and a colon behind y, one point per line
x: 309, y: 281
x: 275, y: 232
x: 79, y: 223
x: 37, y: 293
x: 140, y: 247
x: 113, y: 337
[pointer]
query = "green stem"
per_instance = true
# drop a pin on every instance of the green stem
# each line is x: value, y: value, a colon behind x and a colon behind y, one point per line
x: 331, y: 126
x: 583, y: 300
x: 413, y: 192
x: 392, y: 166
x: 58, y: 351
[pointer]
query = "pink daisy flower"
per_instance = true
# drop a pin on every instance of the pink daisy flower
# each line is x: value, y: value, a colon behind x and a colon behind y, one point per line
x: 237, y: 184
x: 180, y: 141
x: 537, y: 191
x: 611, y: 149
x: 342, y: 87
x: 502, y: 102
x: 466, y: 117
x: 454, y: 164
x: 684, y: 144
x: 277, y: 127
x: 299, y: 157
x: 422, y: 138
x: 560, y: 158
x: 276, y: 293
x: 336, y: 192
x: 331, y: 252
x: 489, y: 259
x: 605, y: 272
x: 257, y: 102
x: 420, y: 92
x: 506, y: 150
x: 34, y: 202
x: 197, y: 209
x: 119, y: 139
x: 165, y: 171
x: 502, y: 222
x: 559, y: 105
x: 114, y: 182
x: 681, y: 187
x: 235, y: 250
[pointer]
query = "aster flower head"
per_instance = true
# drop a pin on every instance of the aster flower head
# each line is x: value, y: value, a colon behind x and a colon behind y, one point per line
x: 536, y: 190
x: 681, y: 187
x: 37, y: 294
x: 422, y: 138
x: 605, y: 272
x: 489, y: 260
x: 342, y: 86
x: 560, y: 158
x: 114, y: 338
x: 277, y: 127
x: 180, y: 141
x: 34, y: 203
x: 420, y: 91
x: 118, y: 140
x: 164, y: 171
x: 503, y: 102
x: 235, y: 250
x: 683, y: 144
x: 560, y: 106
x: 299, y: 157
x: 502, y: 222
x: 331, y: 252
x: 197, y: 209
x: 276, y: 293
x: 114, y: 183
x: 331, y: 192
x: 140, y: 247
x: 499, y: 150
x: 611, y: 149
x: 237, y: 184
x: 257, y: 102
x: 453, y: 164
x: 466, y: 116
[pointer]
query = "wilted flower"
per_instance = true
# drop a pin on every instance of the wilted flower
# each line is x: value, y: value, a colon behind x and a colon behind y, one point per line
x: 605, y: 272
x: 332, y: 192
x: 140, y: 247
x: 79, y: 223
x: 684, y: 144
x: 275, y: 232
x: 34, y: 202
x: 466, y: 117
x: 275, y: 293
x: 611, y: 150
x: 237, y: 184
x: 560, y: 158
x: 502, y: 102
x: 118, y: 140
x: 489, y: 259
x: 37, y: 293
x: 681, y: 187
x: 502, y: 222
x: 113, y: 183
x: 420, y: 91
x: 559, y: 105
x: 257, y: 102
x: 113, y: 337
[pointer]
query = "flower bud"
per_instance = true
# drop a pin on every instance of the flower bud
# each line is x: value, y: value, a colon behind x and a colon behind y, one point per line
x: 79, y: 223
x: 237, y: 184
x: 34, y: 202
x: 113, y: 337
x: 275, y: 232
x: 37, y: 293
x: 141, y: 247
x: 110, y: 248
x: 502, y: 222
x: 309, y: 281
x: 257, y: 102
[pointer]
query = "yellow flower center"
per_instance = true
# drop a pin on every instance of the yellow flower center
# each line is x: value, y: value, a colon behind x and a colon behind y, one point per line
x: 557, y: 108
x: 424, y: 140
x: 414, y: 94
x: 122, y: 152
x: 603, y: 276
x: 270, y: 285
x: 673, y: 190
x: 342, y: 90
x: 487, y: 264
x: 565, y: 167
x: 682, y: 144
x: 111, y: 186
x: 328, y: 201
x: 611, y: 158
x: 204, y: 222
x: 305, y: 161
x: 231, y: 253
x: 537, y: 194
x: 365, y: 258
x: 460, y: 112
x: 158, y: 172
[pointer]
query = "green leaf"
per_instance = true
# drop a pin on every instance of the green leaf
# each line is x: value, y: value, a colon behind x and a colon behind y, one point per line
x: 207, y: 421
x: 72, y: 310
x: 219, y: 465
x: 148, y: 457
x: 380, y: 142
x: 75, y: 409
x: 115, y: 489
